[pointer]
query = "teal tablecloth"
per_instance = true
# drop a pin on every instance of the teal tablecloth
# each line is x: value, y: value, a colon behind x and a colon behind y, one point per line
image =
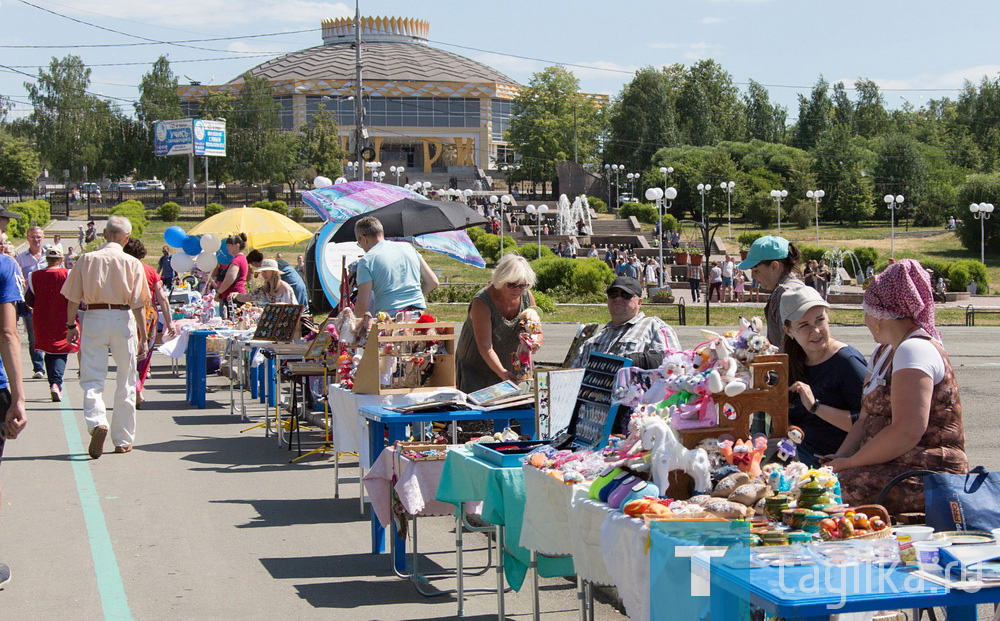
x: 466, y: 479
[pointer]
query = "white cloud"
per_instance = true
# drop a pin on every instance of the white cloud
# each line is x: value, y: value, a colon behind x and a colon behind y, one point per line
x: 708, y: 21
x: 944, y: 81
x: 202, y: 14
x: 701, y: 50
x: 664, y: 46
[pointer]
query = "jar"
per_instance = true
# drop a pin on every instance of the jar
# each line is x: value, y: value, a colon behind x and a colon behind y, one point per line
x: 812, y: 521
x: 798, y: 536
x: 775, y: 538
x: 775, y: 506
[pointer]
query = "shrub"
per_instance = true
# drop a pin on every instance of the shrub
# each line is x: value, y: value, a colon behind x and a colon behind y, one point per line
x: 453, y: 293
x: 169, y: 211
x: 262, y: 204
x: 474, y: 232
x: 530, y: 252
x: 664, y: 297
x: 296, y: 213
x: 597, y: 205
x: 36, y: 213
x: 213, y: 208
x: 670, y: 223
x: 544, y: 302
x: 641, y: 211
x: 801, y: 214
x: 553, y: 272
x: 957, y: 277
x: 810, y: 253
x: 976, y: 271
x: 136, y: 214
x: 748, y: 238
x: 591, y: 276
x: 279, y: 207
x: 488, y: 246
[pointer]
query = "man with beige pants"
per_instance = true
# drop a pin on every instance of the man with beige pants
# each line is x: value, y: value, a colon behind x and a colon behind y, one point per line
x: 113, y: 286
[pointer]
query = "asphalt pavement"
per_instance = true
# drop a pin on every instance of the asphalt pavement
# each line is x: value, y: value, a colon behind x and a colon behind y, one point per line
x: 201, y: 521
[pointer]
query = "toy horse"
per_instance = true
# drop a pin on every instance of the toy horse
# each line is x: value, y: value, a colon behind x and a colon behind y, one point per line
x: 669, y: 454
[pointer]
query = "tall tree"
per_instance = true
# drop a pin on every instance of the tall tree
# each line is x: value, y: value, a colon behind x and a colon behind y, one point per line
x: 841, y: 168
x: 871, y: 119
x: 901, y: 169
x: 19, y: 167
x: 159, y: 101
x: 709, y: 107
x: 814, y: 115
x: 641, y: 120
x: 257, y: 149
x: 765, y: 121
x: 548, y: 114
x: 320, y: 147
x: 843, y: 107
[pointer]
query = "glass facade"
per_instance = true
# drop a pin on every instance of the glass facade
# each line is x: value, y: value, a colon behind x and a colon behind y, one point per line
x: 285, y: 112
x: 501, y: 117
x: 402, y: 111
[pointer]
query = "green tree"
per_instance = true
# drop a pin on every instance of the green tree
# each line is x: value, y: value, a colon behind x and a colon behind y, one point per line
x: 814, y: 115
x: 641, y: 121
x: 977, y: 189
x: 320, y: 147
x: 548, y: 114
x: 900, y: 168
x: 870, y: 117
x: 708, y: 107
x: 158, y: 101
x: 765, y: 121
x: 840, y: 165
x: 257, y: 149
x: 843, y: 107
x: 19, y: 167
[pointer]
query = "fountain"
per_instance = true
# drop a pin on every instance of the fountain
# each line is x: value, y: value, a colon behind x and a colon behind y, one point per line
x: 836, y: 259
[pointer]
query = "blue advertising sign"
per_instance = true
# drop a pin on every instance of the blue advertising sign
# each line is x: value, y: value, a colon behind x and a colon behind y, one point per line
x: 210, y: 138
x: 174, y: 137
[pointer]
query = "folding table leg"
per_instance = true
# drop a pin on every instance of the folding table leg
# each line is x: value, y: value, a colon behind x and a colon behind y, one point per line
x: 500, y: 578
x: 535, y: 607
x: 459, y: 568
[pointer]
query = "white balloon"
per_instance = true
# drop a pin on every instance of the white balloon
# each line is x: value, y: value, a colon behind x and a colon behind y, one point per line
x: 181, y: 262
x: 210, y: 243
x: 321, y: 182
x: 206, y: 261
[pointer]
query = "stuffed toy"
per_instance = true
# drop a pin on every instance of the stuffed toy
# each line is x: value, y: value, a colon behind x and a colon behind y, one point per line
x: 529, y: 340
x: 745, y: 455
x: 668, y: 454
x: 787, y: 447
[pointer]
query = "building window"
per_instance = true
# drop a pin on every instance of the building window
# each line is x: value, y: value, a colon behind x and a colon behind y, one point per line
x: 402, y: 111
x: 285, y: 116
x: 191, y: 109
x: 501, y: 117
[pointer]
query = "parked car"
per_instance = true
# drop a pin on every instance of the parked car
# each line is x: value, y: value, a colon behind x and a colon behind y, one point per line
x: 89, y: 187
x: 121, y: 185
x: 153, y: 184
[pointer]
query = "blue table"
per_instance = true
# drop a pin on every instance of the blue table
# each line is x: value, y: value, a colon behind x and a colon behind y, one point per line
x: 381, y: 419
x: 810, y: 592
x: 195, y: 366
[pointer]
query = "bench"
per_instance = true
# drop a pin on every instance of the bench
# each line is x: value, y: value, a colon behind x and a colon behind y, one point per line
x: 971, y: 312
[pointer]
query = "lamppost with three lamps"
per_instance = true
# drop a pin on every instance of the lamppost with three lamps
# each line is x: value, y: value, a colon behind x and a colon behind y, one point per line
x: 816, y: 196
x: 703, y: 189
x: 727, y: 187
x: 396, y: 170
x: 893, y: 203
x: 658, y: 195
x: 778, y: 196
x: 981, y: 212
x: 539, y: 213
x: 503, y: 201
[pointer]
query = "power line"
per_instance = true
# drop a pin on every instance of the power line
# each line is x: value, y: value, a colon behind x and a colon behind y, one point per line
x: 186, y: 60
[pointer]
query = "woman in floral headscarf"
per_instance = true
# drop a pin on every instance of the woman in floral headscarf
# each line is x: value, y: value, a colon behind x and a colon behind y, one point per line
x: 911, y: 416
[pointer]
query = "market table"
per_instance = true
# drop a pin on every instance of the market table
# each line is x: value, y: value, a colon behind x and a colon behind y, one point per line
x: 465, y: 479
x: 810, y: 592
x: 195, y: 366
x: 385, y: 423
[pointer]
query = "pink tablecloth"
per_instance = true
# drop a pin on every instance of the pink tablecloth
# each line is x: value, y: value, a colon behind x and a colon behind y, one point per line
x: 416, y: 485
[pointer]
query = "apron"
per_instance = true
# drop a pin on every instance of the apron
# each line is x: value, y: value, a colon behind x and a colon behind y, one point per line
x: 941, y: 448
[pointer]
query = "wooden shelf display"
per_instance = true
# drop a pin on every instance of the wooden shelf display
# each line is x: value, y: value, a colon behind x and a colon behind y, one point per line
x: 389, y: 363
x: 278, y: 322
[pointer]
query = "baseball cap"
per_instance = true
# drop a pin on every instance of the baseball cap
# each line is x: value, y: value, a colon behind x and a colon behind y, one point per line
x: 53, y: 252
x: 13, y: 215
x: 767, y: 248
x: 796, y: 301
x: 626, y: 284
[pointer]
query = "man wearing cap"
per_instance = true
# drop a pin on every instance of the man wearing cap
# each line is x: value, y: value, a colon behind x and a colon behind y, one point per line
x: 29, y: 261
x: 630, y: 333
x: 113, y: 285
x: 774, y: 263
x: 826, y: 376
x: 49, y: 315
x: 12, y: 416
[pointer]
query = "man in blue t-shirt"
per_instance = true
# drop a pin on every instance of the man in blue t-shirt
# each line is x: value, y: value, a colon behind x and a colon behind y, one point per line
x: 12, y: 416
x: 166, y: 270
x: 393, y: 272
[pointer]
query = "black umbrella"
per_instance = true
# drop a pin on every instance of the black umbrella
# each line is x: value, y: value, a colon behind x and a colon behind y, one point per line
x: 409, y: 217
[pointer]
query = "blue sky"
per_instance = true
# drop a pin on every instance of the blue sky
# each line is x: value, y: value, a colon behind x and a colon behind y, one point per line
x: 919, y: 49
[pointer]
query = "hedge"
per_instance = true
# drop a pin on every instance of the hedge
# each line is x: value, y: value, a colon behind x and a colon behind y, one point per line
x: 169, y: 211
x: 296, y: 213
x: 135, y: 212
x: 530, y: 252
x: 36, y: 213
x: 213, y: 208
x: 641, y: 211
x: 597, y: 204
x: 275, y: 206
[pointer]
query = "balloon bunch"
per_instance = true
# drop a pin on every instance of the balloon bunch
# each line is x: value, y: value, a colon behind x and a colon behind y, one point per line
x: 202, y: 251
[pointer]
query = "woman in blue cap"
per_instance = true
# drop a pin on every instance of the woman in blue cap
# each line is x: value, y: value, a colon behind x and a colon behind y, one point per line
x: 774, y: 263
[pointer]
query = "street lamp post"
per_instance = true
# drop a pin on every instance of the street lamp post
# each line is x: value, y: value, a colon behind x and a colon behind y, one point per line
x: 631, y: 180
x: 816, y: 196
x: 893, y: 203
x: 658, y: 194
x: 982, y: 213
x: 353, y: 167
x: 617, y: 169
x: 727, y: 187
x: 539, y: 213
x: 607, y: 171
x: 396, y: 170
x: 703, y: 189
x: 778, y: 196
x: 503, y: 202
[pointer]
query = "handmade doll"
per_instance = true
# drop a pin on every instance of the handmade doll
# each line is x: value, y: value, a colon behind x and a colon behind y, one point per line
x: 529, y: 340
x: 787, y: 447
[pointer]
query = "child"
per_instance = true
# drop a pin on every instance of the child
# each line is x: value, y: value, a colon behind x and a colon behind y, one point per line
x: 738, y: 286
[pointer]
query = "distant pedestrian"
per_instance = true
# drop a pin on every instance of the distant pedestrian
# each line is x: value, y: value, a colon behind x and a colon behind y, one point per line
x: 694, y: 281
x: 50, y: 319
x: 739, y: 285
x: 166, y: 270
x: 91, y: 234
x: 727, y: 278
x: 715, y: 281
x: 81, y: 235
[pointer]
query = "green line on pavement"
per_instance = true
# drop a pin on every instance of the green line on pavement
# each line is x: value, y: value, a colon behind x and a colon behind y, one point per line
x: 109, y: 578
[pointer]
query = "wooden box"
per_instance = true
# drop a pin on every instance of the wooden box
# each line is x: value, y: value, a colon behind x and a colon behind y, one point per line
x: 367, y: 379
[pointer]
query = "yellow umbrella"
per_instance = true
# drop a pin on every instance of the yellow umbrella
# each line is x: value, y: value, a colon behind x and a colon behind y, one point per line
x: 264, y: 228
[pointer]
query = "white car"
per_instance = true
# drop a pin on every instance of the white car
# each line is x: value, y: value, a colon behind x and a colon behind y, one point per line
x: 153, y: 184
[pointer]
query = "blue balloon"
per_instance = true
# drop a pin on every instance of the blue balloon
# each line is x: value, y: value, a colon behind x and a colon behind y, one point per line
x: 174, y: 236
x: 223, y: 256
x: 192, y: 245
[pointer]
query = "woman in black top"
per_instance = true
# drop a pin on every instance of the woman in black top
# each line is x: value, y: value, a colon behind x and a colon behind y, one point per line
x: 825, y: 375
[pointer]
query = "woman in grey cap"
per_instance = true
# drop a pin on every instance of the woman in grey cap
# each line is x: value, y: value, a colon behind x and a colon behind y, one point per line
x: 774, y: 263
x: 825, y: 375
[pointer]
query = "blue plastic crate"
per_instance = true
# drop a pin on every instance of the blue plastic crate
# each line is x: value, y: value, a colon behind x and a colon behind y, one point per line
x: 488, y: 452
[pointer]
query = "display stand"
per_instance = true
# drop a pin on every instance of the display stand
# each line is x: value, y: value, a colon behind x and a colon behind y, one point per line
x: 386, y: 350
x: 595, y: 411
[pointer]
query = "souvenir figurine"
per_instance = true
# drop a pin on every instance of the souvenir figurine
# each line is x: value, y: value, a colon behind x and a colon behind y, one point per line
x: 668, y: 454
x: 745, y: 455
x: 787, y: 447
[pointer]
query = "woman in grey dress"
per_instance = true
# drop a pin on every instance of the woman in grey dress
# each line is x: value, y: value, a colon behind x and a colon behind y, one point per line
x: 490, y: 333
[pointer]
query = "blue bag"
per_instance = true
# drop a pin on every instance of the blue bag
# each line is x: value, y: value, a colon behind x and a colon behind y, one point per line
x: 963, y: 501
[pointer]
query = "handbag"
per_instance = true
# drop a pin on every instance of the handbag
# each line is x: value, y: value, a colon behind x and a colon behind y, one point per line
x: 968, y: 501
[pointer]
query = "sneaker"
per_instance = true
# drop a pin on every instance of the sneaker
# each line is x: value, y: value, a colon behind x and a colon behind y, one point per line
x: 37, y: 375
x: 97, y: 441
x: 56, y: 392
x: 4, y: 575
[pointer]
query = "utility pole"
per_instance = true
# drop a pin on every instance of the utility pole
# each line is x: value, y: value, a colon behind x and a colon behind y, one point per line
x: 359, y: 109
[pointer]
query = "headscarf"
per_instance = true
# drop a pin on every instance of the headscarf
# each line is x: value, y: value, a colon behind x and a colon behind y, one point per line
x: 903, y: 290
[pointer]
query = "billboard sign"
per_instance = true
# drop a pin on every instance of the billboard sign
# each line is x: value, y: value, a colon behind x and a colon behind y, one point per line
x: 210, y: 138
x: 173, y: 137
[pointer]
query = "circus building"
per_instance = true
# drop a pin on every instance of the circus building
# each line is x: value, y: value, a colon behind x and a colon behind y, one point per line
x: 426, y: 109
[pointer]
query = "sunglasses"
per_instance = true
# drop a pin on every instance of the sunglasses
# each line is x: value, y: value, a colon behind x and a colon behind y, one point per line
x: 618, y: 293
x: 514, y: 285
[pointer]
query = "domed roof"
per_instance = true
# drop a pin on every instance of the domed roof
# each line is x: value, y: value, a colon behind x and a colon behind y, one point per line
x: 381, y: 60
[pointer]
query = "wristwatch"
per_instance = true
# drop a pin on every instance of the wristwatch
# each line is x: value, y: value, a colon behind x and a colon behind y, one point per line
x: 815, y: 405
x: 70, y: 326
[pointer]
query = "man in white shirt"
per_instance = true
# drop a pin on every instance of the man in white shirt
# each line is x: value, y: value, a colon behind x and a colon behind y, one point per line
x: 727, y: 278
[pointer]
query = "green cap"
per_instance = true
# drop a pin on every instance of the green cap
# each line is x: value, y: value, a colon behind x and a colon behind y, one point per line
x: 767, y: 248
